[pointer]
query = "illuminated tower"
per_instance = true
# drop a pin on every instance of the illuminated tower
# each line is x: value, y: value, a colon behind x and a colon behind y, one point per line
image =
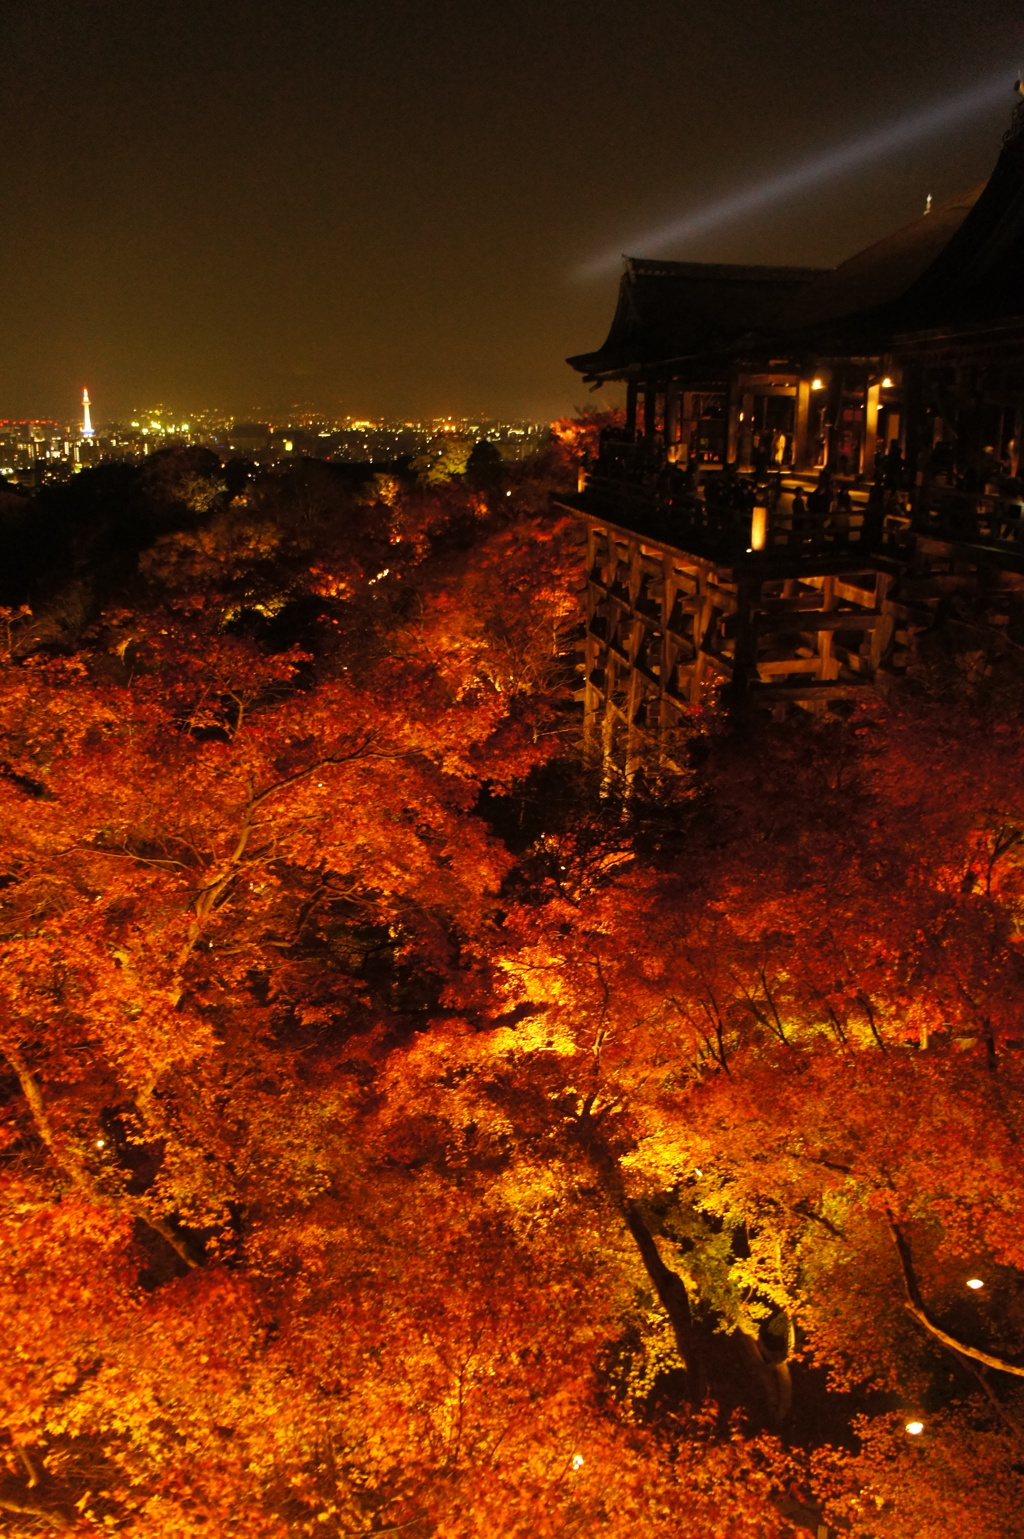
x: 87, y: 427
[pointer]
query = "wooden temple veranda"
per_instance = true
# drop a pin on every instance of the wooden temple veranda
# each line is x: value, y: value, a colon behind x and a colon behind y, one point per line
x: 812, y: 462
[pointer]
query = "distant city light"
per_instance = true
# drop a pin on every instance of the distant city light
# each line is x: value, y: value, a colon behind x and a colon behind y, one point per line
x: 42, y: 451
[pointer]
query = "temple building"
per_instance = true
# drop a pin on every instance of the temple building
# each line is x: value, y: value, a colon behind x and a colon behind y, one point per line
x: 811, y: 460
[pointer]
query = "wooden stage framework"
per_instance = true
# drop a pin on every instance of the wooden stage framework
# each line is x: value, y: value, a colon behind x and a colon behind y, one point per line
x: 812, y: 464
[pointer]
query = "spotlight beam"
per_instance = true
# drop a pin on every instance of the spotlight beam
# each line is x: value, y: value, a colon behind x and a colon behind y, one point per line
x: 809, y: 173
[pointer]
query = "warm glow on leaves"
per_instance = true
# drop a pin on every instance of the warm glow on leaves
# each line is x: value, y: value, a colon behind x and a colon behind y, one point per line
x: 404, y: 1132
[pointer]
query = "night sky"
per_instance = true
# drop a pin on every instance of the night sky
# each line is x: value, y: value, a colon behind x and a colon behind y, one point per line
x: 383, y: 208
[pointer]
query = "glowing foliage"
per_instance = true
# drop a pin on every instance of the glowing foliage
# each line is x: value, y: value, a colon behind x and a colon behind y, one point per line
x: 402, y: 1134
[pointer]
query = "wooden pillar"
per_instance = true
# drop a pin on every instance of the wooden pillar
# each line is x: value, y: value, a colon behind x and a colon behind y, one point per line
x: 650, y: 402
x: 745, y: 435
x: 801, y: 425
x: 732, y: 421
x: 685, y: 450
x: 702, y: 614
x: 631, y: 408
x: 828, y: 667
x: 744, y: 656
x: 833, y: 415
x: 671, y: 420
x: 592, y: 696
x: 872, y: 397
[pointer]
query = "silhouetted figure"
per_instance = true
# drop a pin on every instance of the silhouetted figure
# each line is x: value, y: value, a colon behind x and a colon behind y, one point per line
x: 894, y: 467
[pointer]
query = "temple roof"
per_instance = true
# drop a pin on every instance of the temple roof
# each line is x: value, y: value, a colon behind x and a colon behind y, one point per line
x: 979, y: 275
x: 962, y: 262
x: 676, y: 309
x: 880, y: 274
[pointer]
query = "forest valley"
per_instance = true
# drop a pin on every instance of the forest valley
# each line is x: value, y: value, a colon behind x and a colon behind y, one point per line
x: 405, y: 1132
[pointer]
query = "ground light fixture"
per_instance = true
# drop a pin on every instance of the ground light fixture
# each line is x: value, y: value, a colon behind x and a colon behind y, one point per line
x: 915, y: 1428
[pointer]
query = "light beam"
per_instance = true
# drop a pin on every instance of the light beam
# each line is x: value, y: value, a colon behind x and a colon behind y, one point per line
x: 809, y: 173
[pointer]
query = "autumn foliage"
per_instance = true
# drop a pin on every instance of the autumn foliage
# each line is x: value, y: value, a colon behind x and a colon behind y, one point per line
x: 406, y: 1133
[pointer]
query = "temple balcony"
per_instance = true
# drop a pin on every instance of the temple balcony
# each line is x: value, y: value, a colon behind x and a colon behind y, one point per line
x: 729, y: 519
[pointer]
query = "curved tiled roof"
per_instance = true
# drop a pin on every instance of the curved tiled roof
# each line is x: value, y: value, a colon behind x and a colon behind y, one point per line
x: 676, y: 309
x: 883, y: 272
x: 962, y: 262
x: 979, y: 274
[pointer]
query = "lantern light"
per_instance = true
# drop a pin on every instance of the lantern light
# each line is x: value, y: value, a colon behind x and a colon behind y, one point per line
x: 817, y: 384
x: 887, y: 383
x: 975, y: 1283
x: 915, y: 1428
x: 577, y: 1461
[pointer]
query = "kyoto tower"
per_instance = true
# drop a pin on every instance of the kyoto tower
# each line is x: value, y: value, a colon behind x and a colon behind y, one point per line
x: 87, y: 428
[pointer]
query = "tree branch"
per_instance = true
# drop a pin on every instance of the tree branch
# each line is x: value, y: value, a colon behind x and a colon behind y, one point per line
x: 915, y: 1306
x: 30, y: 1510
x: 671, y: 1290
x: 69, y: 1159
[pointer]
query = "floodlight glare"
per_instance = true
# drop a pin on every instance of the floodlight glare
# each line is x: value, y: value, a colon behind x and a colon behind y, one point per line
x: 808, y: 173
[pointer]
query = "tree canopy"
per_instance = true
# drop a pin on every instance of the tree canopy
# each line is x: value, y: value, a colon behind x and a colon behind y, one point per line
x: 407, y: 1132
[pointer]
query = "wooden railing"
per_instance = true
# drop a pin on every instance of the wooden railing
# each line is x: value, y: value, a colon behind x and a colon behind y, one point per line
x: 629, y: 486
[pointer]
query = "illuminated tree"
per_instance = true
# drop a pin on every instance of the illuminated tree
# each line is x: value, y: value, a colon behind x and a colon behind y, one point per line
x: 405, y: 1133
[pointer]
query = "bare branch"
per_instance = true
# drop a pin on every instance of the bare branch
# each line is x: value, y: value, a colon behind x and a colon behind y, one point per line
x: 915, y: 1306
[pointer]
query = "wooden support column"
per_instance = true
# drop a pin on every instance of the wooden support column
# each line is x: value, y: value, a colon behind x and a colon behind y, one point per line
x: 882, y: 632
x: 733, y: 420
x: 685, y: 451
x: 631, y: 408
x: 744, y: 653
x: 833, y: 415
x: 872, y: 397
x: 702, y: 615
x: 828, y: 667
x: 650, y: 403
x: 671, y: 421
x: 745, y: 430
x: 590, y: 648
x: 801, y: 425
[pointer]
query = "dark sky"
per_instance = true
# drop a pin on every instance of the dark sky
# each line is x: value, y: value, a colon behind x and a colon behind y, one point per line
x: 378, y: 206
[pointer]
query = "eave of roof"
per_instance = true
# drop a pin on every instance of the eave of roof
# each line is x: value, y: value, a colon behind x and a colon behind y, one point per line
x: 959, y: 263
x: 672, y: 310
